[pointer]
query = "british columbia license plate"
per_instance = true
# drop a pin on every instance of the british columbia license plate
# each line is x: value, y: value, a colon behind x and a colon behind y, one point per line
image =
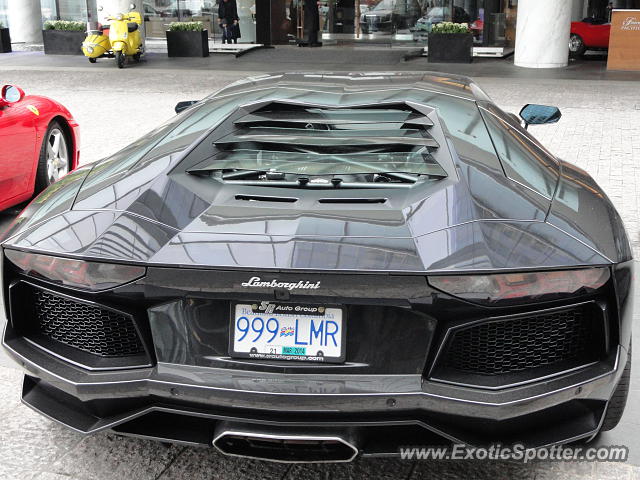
x: 287, y: 331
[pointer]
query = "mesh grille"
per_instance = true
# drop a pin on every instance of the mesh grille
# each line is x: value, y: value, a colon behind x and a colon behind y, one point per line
x: 86, y: 327
x: 518, y: 344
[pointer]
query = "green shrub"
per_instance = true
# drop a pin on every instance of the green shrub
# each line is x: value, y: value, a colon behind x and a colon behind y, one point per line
x: 186, y: 26
x: 450, y: 27
x: 67, y: 25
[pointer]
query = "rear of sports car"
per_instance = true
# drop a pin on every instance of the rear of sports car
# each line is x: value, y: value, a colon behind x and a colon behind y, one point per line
x: 313, y: 281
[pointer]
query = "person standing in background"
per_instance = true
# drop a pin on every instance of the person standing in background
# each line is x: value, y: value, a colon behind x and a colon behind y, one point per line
x: 228, y: 20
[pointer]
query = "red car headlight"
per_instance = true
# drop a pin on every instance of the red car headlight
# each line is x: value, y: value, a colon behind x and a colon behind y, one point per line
x: 74, y: 273
x: 520, y: 287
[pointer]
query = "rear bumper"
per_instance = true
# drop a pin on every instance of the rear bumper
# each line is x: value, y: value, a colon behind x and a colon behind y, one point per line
x: 381, y: 398
x: 376, y: 413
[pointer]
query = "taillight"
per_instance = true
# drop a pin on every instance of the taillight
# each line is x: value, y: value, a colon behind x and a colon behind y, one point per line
x: 520, y: 287
x: 74, y: 273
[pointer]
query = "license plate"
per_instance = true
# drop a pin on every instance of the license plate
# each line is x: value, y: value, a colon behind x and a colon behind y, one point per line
x: 287, y: 331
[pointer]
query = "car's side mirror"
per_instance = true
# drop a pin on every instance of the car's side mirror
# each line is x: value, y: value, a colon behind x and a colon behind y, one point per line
x: 11, y: 94
x: 180, y: 106
x: 533, y: 114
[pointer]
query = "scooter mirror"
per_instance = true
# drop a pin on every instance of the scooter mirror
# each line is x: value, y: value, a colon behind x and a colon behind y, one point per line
x: 132, y: 6
x: 100, y: 8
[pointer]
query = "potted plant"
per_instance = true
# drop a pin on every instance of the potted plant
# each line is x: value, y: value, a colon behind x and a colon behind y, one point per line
x: 5, y: 39
x: 187, y: 39
x: 63, y: 37
x: 450, y: 42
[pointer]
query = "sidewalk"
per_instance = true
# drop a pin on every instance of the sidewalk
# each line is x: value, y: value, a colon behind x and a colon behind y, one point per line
x: 328, y: 58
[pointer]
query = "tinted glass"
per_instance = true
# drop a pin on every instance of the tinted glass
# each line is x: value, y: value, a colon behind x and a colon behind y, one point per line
x: 459, y: 116
x: 321, y: 141
x: 522, y: 159
x: 329, y: 164
x: 540, y: 114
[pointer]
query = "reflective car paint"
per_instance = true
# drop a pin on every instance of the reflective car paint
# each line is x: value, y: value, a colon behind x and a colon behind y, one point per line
x: 593, y: 35
x: 201, y: 246
x: 179, y: 218
x: 22, y: 129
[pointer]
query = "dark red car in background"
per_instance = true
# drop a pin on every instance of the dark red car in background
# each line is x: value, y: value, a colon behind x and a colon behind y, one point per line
x: 39, y: 143
x: 589, y: 34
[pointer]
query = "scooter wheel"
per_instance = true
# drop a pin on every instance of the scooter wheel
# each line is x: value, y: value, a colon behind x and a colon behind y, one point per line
x: 93, y: 60
x: 120, y: 58
x: 136, y: 57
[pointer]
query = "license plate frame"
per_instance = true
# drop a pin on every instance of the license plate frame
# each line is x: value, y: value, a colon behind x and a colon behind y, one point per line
x: 307, y: 359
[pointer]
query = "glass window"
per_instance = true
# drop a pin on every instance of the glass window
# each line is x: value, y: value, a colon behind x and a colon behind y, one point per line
x: 159, y: 13
x: 433, y: 12
x: 71, y: 10
x: 64, y: 10
x: 49, y: 11
x: 4, y: 18
x: 390, y: 17
x: 491, y: 22
x: 522, y: 159
x: 247, y: 19
x: 197, y: 11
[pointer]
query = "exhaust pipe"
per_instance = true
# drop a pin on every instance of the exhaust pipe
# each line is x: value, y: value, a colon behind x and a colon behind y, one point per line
x: 285, y: 448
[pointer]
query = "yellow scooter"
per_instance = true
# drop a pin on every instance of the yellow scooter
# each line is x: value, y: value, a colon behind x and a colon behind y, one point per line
x: 97, y: 44
x: 124, y: 39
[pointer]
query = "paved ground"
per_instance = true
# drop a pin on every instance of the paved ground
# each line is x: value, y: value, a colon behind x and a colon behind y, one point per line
x: 288, y: 58
x: 599, y: 131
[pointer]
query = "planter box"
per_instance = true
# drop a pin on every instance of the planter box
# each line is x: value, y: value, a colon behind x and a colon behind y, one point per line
x: 62, y: 42
x: 5, y: 40
x: 188, y: 44
x: 450, y: 47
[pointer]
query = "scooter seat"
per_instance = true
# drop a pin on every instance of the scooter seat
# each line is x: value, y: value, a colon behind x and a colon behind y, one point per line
x: 132, y: 27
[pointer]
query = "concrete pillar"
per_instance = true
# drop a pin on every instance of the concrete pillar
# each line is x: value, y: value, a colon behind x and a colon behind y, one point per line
x: 577, y: 10
x: 542, y: 33
x: 25, y: 21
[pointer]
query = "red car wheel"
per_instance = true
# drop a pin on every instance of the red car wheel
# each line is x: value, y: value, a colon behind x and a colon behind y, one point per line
x: 576, y: 45
x: 55, y: 157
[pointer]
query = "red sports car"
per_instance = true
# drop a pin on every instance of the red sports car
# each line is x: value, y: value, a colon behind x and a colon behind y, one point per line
x: 39, y: 143
x: 589, y: 34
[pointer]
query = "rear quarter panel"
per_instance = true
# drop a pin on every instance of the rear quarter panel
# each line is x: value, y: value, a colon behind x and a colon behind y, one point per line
x: 44, y: 110
x: 592, y: 35
x: 582, y: 209
x: 48, y: 111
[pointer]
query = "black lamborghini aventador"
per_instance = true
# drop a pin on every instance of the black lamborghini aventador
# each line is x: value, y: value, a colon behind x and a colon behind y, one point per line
x: 310, y: 267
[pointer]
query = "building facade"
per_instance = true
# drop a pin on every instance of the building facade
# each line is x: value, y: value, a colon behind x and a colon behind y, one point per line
x: 496, y: 24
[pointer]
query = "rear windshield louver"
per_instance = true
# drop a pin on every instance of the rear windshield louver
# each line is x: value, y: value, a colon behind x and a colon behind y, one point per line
x: 352, y: 200
x: 266, y: 198
x: 283, y: 144
x: 396, y: 127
